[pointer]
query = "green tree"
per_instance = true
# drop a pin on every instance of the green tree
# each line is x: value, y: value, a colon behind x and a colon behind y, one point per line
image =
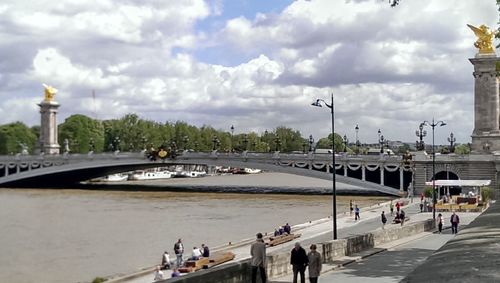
x: 14, y: 136
x: 81, y: 131
x: 462, y: 149
x: 327, y: 143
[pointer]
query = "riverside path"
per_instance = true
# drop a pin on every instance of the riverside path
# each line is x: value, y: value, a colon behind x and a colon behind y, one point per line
x: 314, y: 232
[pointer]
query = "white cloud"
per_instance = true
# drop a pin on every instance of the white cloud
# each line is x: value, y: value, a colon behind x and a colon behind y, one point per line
x: 389, y: 68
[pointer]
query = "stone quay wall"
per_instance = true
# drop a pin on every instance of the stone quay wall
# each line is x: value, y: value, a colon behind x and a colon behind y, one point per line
x: 278, y: 263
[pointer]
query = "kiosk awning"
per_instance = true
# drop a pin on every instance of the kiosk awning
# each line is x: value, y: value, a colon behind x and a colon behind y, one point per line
x: 460, y: 183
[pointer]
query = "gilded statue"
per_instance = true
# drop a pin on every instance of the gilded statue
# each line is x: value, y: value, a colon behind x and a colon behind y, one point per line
x: 50, y: 92
x: 484, y: 40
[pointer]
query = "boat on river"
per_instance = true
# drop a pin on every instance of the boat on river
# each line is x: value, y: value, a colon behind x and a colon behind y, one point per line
x: 141, y: 175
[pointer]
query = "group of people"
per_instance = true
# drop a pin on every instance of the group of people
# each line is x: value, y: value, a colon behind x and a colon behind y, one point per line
x: 454, y: 220
x: 299, y: 260
x: 166, y: 263
x: 286, y: 229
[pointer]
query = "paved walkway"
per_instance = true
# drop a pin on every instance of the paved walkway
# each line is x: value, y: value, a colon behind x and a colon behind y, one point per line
x: 390, y: 262
x: 315, y: 232
x: 473, y: 255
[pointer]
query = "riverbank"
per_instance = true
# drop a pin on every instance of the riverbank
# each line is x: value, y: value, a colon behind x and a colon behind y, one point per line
x: 262, y: 183
x: 114, y: 232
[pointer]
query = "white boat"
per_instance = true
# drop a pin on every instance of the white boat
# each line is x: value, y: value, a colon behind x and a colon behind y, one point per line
x: 150, y: 175
x: 252, y: 171
x: 112, y: 178
x: 191, y: 174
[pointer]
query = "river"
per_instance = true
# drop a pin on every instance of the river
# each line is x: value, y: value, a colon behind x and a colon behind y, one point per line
x: 76, y: 235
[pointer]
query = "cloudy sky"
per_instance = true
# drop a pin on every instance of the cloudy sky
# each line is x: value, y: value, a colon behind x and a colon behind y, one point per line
x: 256, y: 64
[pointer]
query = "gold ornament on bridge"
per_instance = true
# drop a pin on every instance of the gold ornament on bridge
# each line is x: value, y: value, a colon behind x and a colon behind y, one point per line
x: 484, y: 40
x: 50, y: 92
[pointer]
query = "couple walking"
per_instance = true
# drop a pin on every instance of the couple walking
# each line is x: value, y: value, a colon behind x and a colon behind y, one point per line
x: 298, y: 259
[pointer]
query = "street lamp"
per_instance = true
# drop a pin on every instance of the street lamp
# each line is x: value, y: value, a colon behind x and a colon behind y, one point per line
x: 304, y: 146
x: 334, y: 191
x: 357, y: 140
x: 215, y: 141
x: 278, y: 143
x: 433, y: 125
x: 381, y: 141
x: 311, y: 141
x: 245, y: 141
x: 452, y: 141
x: 420, y: 133
x: 232, y: 133
x: 345, y: 143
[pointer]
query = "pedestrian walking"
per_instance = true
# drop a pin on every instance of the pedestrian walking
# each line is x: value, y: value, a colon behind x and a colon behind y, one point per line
x: 402, y: 217
x: 384, y: 219
x: 314, y: 264
x: 299, y: 261
x: 421, y: 207
x: 440, y: 222
x: 179, y: 251
x: 356, y: 213
x: 398, y: 207
x: 350, y: 207
x: 454, y: 223
x: 258, y: 253
x: 391, y: 206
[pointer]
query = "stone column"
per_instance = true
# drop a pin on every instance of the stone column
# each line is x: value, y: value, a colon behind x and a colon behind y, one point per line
x: 48, y: 127
x: 363, y: 172
x: 381, y: 174
x: 401, y: 177
x: 486, y: 133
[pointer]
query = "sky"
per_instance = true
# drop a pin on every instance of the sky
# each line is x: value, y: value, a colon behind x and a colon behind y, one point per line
x: 254, y: 64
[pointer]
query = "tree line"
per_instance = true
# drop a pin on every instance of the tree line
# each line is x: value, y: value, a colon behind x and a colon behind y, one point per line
x: 81, y: 134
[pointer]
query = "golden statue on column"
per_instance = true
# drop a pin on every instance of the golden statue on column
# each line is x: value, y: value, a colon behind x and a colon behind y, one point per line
x: 50, y: 92
x: 484, y: 40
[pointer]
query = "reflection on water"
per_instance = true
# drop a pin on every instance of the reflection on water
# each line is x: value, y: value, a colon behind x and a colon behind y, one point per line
x: 76, y: 235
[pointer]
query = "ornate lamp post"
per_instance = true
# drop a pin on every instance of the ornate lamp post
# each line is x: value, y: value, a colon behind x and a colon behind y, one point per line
x: 91, y: 145
x: 304, y: 145
x: 345, y: 142
x: 311, y: 141
x: 421, y: 133
x: 245, y: 141
x: 433, y: 125
x: 381, y: 141
x: 278, y: 143
x: 452, y: 140
x: 334, y: 191
x: 215, y: 141
x: 357, y: 140
x: 232, y: 133
x: 116, y: 144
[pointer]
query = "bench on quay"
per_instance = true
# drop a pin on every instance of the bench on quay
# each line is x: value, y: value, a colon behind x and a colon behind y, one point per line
x: 276, y: 240
x: 206, y: 262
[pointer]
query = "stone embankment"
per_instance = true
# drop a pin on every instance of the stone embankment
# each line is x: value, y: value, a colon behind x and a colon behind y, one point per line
x: 278, y: 263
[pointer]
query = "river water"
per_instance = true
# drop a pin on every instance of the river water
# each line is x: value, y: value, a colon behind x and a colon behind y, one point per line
x: 77, y: 235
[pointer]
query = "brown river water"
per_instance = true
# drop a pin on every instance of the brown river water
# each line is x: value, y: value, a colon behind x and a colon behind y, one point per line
x: 77, y: 235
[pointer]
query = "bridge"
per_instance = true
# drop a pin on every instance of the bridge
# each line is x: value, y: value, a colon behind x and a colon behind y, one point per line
x: 385, y: 174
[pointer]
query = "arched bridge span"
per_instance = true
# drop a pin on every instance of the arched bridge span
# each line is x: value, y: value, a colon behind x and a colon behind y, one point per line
x: 68, y: 169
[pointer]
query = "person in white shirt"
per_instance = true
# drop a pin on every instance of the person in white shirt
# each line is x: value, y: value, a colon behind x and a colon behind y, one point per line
x: 196, y: 254
x: 158, y: 275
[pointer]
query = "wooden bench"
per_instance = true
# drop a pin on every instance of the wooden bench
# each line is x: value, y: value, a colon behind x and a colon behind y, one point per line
x: 194, y: 265
x: 276, y: 240
x: 218, y: 258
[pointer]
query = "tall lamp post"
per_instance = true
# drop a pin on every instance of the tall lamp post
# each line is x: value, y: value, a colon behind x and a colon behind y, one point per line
x: 311, y: 141
x: 421, y: 133
x: 334, y: 190
x: 345, y: 143
x: 357, y: 140
x: 433, y: 125
x: 452, y: 141
x: 232, y: 133
x: 381, y: 141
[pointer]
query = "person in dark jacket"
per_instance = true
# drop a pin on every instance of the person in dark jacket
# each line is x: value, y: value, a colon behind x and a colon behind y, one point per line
x: 454, y: 223
x: 205, y: 251
x: 299, y: 261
